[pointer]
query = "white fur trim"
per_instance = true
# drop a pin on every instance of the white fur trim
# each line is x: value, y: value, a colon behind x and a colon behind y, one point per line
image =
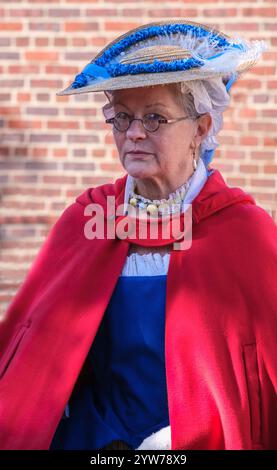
x: 160, y: 440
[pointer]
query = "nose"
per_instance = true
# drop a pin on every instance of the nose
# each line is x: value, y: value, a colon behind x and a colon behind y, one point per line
x: 136, y: 130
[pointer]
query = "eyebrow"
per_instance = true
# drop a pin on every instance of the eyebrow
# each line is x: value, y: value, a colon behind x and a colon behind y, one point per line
x: 148, y: 106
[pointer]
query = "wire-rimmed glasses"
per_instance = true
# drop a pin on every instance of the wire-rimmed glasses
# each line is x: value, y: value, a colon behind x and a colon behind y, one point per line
x: 151, y: 122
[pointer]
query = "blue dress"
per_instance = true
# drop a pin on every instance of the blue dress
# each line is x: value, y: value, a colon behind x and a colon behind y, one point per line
x: 125, y: 397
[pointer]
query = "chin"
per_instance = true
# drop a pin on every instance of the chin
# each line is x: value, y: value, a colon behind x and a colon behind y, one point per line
x: 139, y: 170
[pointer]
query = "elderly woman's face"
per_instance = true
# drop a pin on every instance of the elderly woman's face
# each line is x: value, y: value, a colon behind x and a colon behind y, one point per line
x: 166, y: 154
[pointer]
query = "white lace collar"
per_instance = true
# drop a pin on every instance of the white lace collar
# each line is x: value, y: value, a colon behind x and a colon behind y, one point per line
x: 197, y: 181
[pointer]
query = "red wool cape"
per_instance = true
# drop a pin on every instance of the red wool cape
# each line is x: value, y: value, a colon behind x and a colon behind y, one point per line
x: 220, y: 331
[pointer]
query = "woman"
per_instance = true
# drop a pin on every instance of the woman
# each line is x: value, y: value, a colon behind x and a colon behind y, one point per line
x: 140, y: 342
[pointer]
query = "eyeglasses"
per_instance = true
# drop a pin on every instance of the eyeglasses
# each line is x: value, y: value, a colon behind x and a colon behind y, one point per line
x: 151, y: 122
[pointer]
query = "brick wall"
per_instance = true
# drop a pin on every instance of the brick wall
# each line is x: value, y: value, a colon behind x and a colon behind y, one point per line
x: 52, y: 148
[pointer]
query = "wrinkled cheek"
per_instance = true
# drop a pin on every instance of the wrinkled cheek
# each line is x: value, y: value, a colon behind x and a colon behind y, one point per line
x: 119, y: 141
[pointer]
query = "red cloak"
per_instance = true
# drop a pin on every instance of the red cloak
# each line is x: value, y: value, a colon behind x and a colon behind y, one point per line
x: 221, y: 319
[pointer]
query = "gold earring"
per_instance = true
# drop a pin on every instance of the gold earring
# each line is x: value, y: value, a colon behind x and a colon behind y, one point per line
x: 194, y: 162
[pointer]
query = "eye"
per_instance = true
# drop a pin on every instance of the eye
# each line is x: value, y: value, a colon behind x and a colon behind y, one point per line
x: 153, y: 116
x: 122, y: 115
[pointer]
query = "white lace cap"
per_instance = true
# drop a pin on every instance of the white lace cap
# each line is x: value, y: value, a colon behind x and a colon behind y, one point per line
x: 210, y: 96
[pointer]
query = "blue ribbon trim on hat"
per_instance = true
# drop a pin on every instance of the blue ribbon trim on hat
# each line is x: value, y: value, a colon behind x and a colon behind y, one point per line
x: 158, y: 30
x: 102, y: 68
x: 91, y: 72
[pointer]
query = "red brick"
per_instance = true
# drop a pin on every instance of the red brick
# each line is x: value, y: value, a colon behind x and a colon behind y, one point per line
x: 249, y: 140
x: 272, y: 84
x: 44, y: 26
x: 63, y: 125
x: 98, y: 153
x: 31, y: 192
x: 261, y: 98
x: 84, y: 166
x: 80, y: 26
x: 81, y: 1
x: 260, y: 12
x: 269, y: 113
x: 92, y: 181
x: 23, y: 97
x: 82, y: 139
x: 171, y: 12
x: 234, y: 181
x: 11, y: 26
x: 24, y: 69
x: 263, y: 70
x: 228, y: 167
x: 79, y: 42
x: 270, y: 141
x: 249, y: 168
x: 41, y: 42
x: 73, y: 193
x: 39, y: 111
x: 64, y: 69
x: 28, y: 219
x: 9, y: 56
x: 22, y: 42
x: 262, y: 155
x: 39, y: 152
x: 119, y: 26
x: 96, y: 125
x: 226, y: 139
x: 237, y: 154
x: 60, y: 152
x: 46, y: 83
x: 43, y: 96
x: 79, y: 152
x: 262, y: 196
x: 24, y: 124
x: 247, y: 113
x: 10, y: 110
x: 102, y: 12
x: 26, y: 12
x: 79, y: 111
x: 41, y: 56
x: 234, y: 27
x: 61, y: 42
x: 4, y: 42
x: 23, y: 205
x: 270, y: 27
x: 262, y: 126
x: 222, y: 12
x: 114, y: 167
x: 79, y: 56
x: 64, y: 12
x: 270, y: 55
x: 249, y: 84
x: 263, y: 183
x: 272, y: 169
x: 59, y: 179
x: 4, y: 151
x: 25, y: 179
x: 45, y: 138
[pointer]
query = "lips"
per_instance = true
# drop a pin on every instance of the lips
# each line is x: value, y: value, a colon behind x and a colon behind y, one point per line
x: 139, y: 152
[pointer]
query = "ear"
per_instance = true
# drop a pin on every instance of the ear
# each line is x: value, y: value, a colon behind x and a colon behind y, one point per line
x: 203, y: 123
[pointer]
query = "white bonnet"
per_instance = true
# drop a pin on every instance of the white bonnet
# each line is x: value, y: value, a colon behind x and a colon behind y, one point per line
x: 210, y: 96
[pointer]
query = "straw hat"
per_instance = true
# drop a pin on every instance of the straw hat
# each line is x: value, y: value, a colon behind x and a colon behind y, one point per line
x: 165, y: 52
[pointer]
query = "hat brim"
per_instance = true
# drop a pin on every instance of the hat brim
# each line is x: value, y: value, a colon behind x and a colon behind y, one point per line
x: 147, y: 79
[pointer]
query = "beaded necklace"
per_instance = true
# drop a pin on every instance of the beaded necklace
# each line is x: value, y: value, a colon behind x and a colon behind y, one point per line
x: 163, y: 206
